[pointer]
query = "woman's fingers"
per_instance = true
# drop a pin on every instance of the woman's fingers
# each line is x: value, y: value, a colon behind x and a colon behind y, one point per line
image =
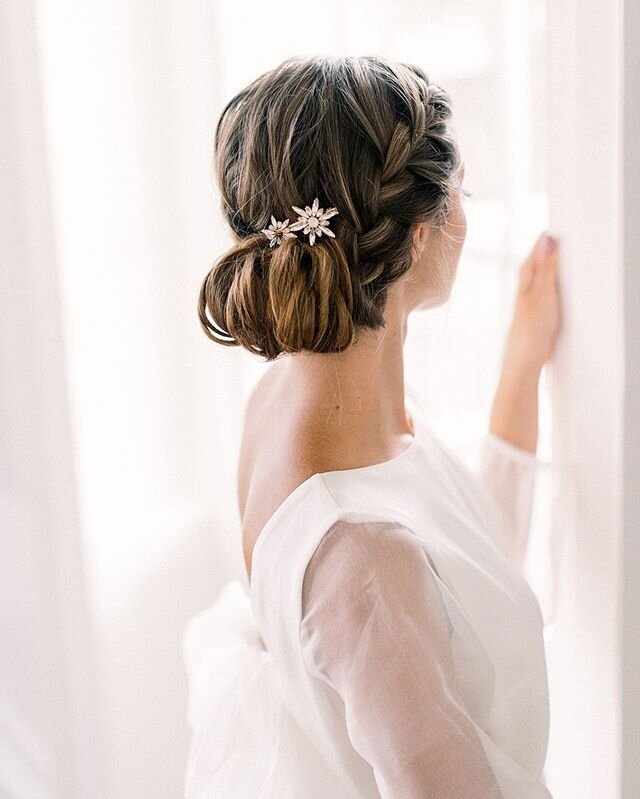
x: 543, y: 260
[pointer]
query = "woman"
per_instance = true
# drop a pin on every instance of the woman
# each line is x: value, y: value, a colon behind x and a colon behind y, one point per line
x: 385, y: 641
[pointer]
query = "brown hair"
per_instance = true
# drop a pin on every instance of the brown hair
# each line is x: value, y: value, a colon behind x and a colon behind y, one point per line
x: 364, y: 135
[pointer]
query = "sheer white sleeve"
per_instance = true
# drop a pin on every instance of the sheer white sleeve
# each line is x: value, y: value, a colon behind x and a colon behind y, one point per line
x: 509, y: 474
x: 375, y: 628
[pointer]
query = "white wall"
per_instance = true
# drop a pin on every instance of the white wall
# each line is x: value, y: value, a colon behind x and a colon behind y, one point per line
x: 630, y: 600
x: 583, y: 155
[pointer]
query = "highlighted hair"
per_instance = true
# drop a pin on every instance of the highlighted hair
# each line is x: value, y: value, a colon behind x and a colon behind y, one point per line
x: 368, y: 136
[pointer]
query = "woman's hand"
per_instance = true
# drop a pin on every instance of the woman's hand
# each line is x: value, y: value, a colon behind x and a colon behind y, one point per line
x: 530, y: 344
x: 536, y: 317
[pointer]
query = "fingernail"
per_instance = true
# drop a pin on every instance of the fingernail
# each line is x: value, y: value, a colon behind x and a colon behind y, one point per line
x: 548, y: 243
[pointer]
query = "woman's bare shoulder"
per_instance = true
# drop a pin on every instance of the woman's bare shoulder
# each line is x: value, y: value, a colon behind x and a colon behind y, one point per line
x: 273, y: 458
x: 255, y: 413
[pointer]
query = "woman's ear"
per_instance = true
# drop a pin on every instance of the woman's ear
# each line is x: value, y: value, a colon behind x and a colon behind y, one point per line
x: 420, y: 235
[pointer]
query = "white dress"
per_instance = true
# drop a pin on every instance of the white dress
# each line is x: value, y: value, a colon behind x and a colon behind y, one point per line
x: 389, y: 644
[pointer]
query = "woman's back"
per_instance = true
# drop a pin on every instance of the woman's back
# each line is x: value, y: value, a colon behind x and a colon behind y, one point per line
x: 403, y: 649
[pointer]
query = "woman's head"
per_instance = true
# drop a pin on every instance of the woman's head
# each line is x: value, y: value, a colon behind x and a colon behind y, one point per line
x: 364, y: 135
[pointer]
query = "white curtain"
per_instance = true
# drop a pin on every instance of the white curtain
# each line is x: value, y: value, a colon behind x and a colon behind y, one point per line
x: 123, y: 421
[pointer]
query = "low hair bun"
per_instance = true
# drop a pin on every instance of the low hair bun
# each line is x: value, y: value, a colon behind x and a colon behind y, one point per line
x: 288, y: 298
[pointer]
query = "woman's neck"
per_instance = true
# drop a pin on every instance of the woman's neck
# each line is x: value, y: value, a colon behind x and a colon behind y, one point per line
x: 362, y: 387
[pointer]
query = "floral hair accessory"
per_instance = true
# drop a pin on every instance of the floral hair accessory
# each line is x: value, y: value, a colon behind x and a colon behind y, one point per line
x: 277, y: 232
x: 314, y: 221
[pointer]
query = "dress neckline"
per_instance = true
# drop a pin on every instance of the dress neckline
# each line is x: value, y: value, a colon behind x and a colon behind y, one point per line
x: 390, y: 463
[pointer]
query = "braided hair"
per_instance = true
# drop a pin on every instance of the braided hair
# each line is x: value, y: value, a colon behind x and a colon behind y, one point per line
x: 365, y: 135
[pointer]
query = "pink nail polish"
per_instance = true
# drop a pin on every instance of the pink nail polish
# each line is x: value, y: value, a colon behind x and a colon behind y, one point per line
x: 549, y: 243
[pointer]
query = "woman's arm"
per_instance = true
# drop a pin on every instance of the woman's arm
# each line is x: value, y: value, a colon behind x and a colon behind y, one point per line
x: 508, y: 465
x: 376, y: 629
x: 514, y: 414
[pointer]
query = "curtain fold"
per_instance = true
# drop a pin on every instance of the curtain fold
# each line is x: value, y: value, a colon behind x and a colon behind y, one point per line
x: 50, y: 731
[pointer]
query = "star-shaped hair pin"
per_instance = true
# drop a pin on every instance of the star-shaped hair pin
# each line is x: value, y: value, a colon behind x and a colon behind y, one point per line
x: 277, y: 232
x: 314, y: 221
